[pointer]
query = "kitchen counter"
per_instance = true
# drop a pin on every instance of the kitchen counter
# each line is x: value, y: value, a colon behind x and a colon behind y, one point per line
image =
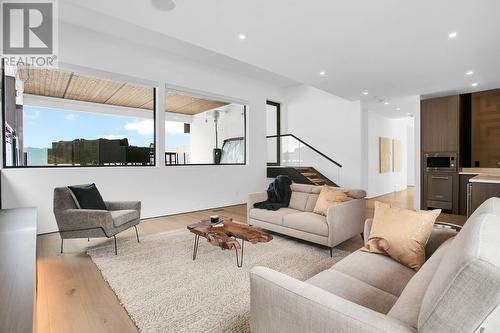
x: 482, y: 178
x: 477, y: 171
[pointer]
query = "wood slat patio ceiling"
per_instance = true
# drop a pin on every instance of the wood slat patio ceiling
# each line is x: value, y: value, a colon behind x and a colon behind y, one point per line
x: 60, y: 83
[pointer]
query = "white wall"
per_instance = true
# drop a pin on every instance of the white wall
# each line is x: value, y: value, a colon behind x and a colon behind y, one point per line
x: 330, y: 124
x: 410, y: 147
x: 162, y: 190
x: 416, y: 125
x: 231, y: 124
x: 379, y: 119
x: 393, y: 128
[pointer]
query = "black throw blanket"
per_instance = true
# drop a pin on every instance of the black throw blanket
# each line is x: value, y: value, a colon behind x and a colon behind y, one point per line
x: 278, y: 194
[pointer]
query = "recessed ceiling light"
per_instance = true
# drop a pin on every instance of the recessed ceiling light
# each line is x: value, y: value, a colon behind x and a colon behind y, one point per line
x: 474, y: 84
x: 386, y: 103
x: 242, y: 36
x: 365, y: 93
x: 322, y: 73
x: 452, y: 35
x: 469, y: 73
x: 398, y: 109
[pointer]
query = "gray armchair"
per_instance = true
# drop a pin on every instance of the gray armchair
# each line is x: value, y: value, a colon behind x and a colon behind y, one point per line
x: 74, y: 222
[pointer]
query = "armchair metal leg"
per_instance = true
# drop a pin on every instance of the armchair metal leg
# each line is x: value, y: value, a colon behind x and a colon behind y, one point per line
x: 116, y: 251
x: 331, y: 252
x: 136, y: 233
x: 88, y: 239
x: 62, y: 244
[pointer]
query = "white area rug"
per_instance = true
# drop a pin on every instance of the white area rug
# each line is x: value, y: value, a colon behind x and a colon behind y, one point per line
x: 164, y: 290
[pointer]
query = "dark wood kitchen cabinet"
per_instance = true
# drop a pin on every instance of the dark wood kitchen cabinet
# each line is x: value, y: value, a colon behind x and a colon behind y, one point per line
x: 440, y: 124
x: 480, y: 192
x: 440, y: 133
x: 485, y: 129
x: 440, y: 190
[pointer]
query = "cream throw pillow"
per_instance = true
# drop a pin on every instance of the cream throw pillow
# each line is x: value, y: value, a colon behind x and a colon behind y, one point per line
x: 328, y: 197
x: 401, y: 233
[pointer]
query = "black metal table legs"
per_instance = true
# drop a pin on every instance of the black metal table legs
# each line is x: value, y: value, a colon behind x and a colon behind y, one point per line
x: 195, y: 248
x: 239, y: 260
x: 136, y: 233
x: 239, y: 256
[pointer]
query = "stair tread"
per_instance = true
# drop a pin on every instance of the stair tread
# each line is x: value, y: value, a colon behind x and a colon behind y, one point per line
x: 302, y: 175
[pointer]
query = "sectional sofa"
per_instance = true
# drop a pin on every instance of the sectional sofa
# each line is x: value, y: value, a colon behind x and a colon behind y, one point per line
x: 456, y: 290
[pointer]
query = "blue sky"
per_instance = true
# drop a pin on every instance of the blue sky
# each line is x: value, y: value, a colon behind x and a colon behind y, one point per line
x: 43, y: 126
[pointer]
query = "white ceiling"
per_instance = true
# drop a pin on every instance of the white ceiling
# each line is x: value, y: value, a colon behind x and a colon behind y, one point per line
x: 397, y: 107
x: 385, y: 47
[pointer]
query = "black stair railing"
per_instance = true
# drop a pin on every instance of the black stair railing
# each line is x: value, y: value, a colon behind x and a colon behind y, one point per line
x: 307, y: 145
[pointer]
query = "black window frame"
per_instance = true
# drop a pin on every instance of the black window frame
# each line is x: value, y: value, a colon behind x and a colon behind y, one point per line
x: 278, y: 133
x: 71, y: 166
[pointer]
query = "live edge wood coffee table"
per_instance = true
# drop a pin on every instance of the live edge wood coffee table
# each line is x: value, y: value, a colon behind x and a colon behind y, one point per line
x: 227, y: 237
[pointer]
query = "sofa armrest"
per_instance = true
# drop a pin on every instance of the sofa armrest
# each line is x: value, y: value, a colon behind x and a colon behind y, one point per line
x: 345, y: 220
x: 84, y: 219
x: 279, y: 303
x: 254, y: 198
x: 121, y: 205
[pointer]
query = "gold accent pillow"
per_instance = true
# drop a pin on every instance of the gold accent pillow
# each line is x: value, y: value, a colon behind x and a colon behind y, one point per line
x: 401, y: 233
x: 328, y: 197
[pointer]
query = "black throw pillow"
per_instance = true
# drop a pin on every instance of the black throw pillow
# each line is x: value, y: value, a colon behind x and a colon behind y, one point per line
x: 88, y: 196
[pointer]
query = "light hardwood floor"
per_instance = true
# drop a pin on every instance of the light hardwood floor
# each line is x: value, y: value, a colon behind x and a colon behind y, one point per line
x: 72, y: 296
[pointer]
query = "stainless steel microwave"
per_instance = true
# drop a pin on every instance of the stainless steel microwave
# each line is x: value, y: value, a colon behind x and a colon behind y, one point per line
x: 441, y: 162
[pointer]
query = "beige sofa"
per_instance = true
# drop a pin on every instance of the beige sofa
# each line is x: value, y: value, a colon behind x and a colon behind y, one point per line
x: 456, y: 290
x: 342, y: 221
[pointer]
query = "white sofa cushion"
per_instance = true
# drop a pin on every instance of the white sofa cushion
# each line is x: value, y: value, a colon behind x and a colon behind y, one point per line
x: 377, y: 270
x: 304, y: 196
x: 121, y: 217
x: 354, y: 290
x: 311, y: 202
x: 271, y: 216
x: 308, y: 222
x: 298, y: 200
x: 306, y: 188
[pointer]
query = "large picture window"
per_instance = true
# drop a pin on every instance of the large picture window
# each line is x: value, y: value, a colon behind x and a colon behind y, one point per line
x: 200, y: 130
x: 56, y: 117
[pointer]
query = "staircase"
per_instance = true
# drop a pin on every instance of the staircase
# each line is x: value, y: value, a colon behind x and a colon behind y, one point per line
x: 294, y: 157
x: 300, y: 175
